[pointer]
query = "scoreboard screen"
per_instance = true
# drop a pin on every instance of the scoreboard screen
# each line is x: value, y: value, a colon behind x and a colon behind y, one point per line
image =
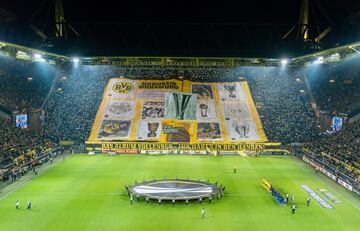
x: 337, y: 123
x: 21, y: 121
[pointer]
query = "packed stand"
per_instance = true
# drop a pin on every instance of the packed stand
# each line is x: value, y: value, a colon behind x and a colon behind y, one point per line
x: 284, y: 105
x: 15, y: 142
x: 72, y: 106
x: 24, y: 85
x: 341, y: 151
x: 286, y: 112
x: 336, y: 86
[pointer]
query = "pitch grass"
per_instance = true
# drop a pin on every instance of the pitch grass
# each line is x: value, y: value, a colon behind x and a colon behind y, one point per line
x: 87, y: 193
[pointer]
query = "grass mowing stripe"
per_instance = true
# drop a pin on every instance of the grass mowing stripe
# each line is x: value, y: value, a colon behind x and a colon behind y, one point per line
x: 95, y: 199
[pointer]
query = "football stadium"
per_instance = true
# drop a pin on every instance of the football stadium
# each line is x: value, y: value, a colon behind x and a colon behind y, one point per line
x: 174, y: 119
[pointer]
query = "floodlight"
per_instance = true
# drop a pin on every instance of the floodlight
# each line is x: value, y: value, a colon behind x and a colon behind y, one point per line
x: 284, y: 61
x: 37, y: 56
x: 75, y: 60
x: 319, y: 60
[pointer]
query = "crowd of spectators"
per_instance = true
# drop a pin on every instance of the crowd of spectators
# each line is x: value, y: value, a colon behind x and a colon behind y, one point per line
x: 283, y: 105
x: 336, y: 86
x: 341, y: 151
x: 71, y: 108
x: 281, y: 97
x: 16, y: 142
x: 24, y: 85
x: 336, y: 89
x: 285, y: 110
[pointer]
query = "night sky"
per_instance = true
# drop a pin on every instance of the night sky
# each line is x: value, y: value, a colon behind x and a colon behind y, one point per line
x: 186, y: 28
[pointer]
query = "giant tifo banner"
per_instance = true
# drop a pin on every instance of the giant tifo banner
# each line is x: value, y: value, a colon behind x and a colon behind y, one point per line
x: 146, y: 113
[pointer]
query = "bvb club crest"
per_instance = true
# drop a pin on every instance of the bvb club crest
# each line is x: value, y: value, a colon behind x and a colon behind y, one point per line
x: 123, y: 87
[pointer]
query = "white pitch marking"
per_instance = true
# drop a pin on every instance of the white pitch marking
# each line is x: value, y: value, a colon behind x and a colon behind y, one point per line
x: 45, y: 169
x: 319, y: 179
x: 16, y: 188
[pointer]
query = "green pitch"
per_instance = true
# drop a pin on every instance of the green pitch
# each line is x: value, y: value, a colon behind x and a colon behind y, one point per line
x: 87, y: 193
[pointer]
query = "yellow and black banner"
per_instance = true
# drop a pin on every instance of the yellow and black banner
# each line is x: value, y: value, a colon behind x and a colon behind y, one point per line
x: 114, y: 146
x: 176, y: 114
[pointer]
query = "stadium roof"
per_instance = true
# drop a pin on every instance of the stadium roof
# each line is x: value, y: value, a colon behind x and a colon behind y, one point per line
x: 33, y: 55
x: 183, y: 28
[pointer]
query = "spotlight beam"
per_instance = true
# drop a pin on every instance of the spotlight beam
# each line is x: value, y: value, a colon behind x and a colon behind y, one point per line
x: 352, y: 48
